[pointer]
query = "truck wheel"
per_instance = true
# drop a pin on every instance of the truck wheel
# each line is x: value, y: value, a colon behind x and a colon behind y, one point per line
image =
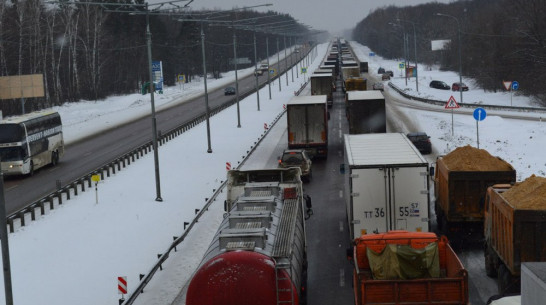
x: 504, y: 279
x: 490, y: 262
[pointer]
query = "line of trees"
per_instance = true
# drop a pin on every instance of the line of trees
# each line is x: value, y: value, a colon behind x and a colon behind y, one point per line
x: 88, y: 52
x: 500, y: 39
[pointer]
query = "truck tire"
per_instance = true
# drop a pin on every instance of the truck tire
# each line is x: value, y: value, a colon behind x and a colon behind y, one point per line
x: 504, y: 279
x: 490, y: 261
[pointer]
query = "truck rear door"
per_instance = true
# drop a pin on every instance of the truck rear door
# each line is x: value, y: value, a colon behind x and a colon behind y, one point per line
x: 385, y: 199
x: 369, y: 201
x: 409, y: 199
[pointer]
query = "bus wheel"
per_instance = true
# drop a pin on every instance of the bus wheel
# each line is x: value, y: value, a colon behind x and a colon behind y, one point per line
x: 31, y: 172
x: 54, y: 158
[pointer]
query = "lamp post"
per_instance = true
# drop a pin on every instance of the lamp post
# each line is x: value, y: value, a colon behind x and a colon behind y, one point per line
x: 209, y: 149
x: 154, y: 122
x: 236, y: 78
x: 278, y: 64
x: 267, y: 55
x: 460, y: 57
x: 255, y: 71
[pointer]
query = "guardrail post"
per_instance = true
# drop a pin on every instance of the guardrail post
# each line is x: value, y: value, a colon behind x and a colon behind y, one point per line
x: 32, y: 213
x: 59, y: 197
x: 11, y: 226
x: 42, y: 206
x: 21, y: 216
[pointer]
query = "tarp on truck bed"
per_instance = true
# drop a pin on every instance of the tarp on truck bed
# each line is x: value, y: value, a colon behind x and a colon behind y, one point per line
x: 404, y: 262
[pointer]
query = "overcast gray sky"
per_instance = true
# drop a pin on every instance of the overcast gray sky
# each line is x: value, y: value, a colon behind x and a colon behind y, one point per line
x: 331, y: 15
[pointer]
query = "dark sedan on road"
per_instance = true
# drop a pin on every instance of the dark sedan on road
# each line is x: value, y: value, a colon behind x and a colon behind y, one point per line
x: 421, y: 141
x: 229, y: 91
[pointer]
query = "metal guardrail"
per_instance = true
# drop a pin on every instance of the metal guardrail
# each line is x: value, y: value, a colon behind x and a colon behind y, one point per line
x: 466, y: 105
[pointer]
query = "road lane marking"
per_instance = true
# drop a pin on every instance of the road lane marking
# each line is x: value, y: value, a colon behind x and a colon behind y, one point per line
x: 11, y: 188
x: 341, y: 194
x: 340, y: 134
x: 341, y: 226
x: 341, y: 278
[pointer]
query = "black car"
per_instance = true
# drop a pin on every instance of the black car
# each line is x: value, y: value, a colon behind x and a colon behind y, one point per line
x: 389, y: 72
x: 438, y: 84
x: 421, y: 141
x: 380, y: 71
x: 229, y: 91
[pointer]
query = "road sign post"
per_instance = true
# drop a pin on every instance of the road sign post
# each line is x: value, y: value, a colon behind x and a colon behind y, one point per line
x: 510, y: 86
x: 452, y: 104
x: 96, y: 179
x: 479, y: 115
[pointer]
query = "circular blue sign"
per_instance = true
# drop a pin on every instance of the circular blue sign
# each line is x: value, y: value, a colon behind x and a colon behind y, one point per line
x: 515, y: 85
x: 479, y: 114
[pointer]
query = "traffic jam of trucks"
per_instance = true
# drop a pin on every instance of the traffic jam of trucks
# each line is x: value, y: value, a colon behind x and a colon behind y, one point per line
x: 403, y: 213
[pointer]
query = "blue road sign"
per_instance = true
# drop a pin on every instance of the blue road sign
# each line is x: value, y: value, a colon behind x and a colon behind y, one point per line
x: 372, y: 54
x: 479, y: 114
x: 515, y: 85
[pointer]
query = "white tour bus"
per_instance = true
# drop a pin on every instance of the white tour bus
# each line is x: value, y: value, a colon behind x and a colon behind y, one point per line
x: 30, y: 141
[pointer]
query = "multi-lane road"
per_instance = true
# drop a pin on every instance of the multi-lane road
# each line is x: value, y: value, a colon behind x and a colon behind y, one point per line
x: 91, y: 153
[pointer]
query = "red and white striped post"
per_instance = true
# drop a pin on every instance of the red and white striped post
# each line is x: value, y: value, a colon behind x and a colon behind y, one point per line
x: 228, y: 166
x: 122, y: 286
x: 265, y: 126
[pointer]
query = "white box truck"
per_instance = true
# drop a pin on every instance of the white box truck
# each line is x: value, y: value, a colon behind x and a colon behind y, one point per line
x: 308, y: 124
x: 386, y: 184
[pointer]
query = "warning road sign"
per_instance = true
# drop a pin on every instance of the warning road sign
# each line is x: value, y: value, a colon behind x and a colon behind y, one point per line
x: 452, y: 103
x: 507, y: 84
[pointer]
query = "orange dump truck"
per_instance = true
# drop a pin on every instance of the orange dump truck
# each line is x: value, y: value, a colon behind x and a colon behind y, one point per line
x: 461, y: 181
x: 402, y: 267
x: 514, y: 229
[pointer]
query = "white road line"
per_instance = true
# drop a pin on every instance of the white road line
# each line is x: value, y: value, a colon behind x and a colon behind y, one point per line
x: 11, y: 188
x: 340, y: 134
x: 341, y: 226
x: 341, y: 278
x: 340, y: 194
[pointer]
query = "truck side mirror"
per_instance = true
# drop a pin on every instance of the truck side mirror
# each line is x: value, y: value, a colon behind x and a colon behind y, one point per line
x: 342, y: 169
x: 431, y: 171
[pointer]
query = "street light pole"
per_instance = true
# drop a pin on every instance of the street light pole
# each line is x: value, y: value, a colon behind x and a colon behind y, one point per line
x: 267, y: 54
x: 255, y: 71
x: 209, y: 150
x: 285, y: 60
x: 278, y: 64
x: 154, y: 122
x: 236, y: 79
x: 460, y: 56
x: 291, y: 56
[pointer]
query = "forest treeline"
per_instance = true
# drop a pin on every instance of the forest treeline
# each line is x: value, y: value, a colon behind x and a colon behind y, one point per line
x: 90, y: 51
x: 501, y: 40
